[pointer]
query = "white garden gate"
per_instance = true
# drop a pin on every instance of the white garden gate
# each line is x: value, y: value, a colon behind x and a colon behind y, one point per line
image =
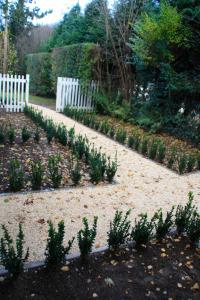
x: 70, y: 92
x: 14, y: 92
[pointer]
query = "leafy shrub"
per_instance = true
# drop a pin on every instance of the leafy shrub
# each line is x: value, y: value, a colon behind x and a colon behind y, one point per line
x: 131, y: 141
x: 37, y: 174
x: 119, y: 230
x: 198, y: 161
x: 16, y: 175
x: 80, y: 146
x: 50, y: 130
x: 37, y: 135
x: 86, y: 238
x: 11, y: 135
x: 161, y: 152
x: 137, y: 142
x: 105, y: 127
x: 2, y: 135
x: 61, y: 134
x: 142, y: 231
x: 153, y: 149
x: 183, y: 214
x: 76, y: 173
x: 193, y: 227
x: 121, y: 136
x: 172, y: 158
x: 191, y: 161
x: 39, y: 66
x: 163, y: 226
x: 71, y: 137
x: 112, y: 132
x: 25, y: 134
x: 97, y: 162
x: 111, y: 169
x: 144, y: 146
x: 55, y: 170
x: 13, y: 260
x: 102, y: 105
x: 55, y: 250
x: 182, y: 162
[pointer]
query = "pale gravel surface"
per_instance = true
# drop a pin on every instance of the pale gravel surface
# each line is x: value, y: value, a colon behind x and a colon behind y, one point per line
x: 141, y: 184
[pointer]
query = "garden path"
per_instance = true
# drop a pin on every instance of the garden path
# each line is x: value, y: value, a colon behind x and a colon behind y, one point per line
x: 141, y: 184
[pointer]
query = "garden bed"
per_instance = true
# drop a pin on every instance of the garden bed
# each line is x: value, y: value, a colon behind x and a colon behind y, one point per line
x: 32, y: 151
x: 169, y: 270
x: 176, y: 154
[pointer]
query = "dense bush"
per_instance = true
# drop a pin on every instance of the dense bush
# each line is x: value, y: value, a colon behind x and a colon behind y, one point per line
x: 12, y: 257
x: 39, y: 67
x: 55, y: 250
x: 16, y: 175
x: 119, y: 230
x: 86, y: 238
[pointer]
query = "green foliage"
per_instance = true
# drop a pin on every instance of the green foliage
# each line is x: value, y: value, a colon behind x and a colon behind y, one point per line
x: 119, y: 230
x: 183, y: 214
x: 131, y: 141
x: 182, y: 163
x: 61, y: 134
x: 2, y: 135
x: 37, y: 174
x: 198, y: 161
x: 105, y: 127
x: 37, y: 135
x: 25, y: 134
x: 153, y: 149
x: 156, y: 34
x: 76, y: 173
x: 111, y: 169
x: 161, y: 152
x: 112, y: 132
x: 75, y: 61
x: 191, y: 161
x: 13, y: 258
x: 86, y: 238
x: 193, y: 227
x: 55, y: 250
x: 144, y: 146
x: 11, y: 135
x: 142, y: 231
x: 39, y: 66
x: 162, y: 225
x: 121, y: 135
x: 55, y: 172
x: 102, y: 105
x: 172, y: 158
x: 16, y: 175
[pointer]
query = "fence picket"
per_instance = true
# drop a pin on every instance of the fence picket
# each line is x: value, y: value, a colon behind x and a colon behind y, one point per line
x: 14, y: 92
x: 70, y: 92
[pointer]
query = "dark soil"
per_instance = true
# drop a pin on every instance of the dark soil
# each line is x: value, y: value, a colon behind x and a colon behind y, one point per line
x: 32, y: 151
x: 170, y: 270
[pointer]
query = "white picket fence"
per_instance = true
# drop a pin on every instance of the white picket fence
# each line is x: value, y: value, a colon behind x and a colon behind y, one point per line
x: 71, y: 93
x: 14, y: 92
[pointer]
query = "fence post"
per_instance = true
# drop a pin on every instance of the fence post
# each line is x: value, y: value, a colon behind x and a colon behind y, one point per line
x: 27, y: 90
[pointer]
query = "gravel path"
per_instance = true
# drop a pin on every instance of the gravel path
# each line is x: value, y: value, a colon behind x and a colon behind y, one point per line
x: 141, y: 184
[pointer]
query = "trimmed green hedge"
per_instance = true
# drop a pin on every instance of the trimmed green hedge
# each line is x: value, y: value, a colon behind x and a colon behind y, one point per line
x: 39, y: 67
x: 76, y: 61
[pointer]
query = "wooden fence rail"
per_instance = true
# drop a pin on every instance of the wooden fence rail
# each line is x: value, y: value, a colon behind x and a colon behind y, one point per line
x: 70, y: 92
x: 14, y: 92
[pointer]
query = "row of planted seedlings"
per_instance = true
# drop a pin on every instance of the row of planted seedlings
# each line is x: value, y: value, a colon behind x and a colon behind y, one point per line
x: 153, y: 148
x: 185, y: 220
x: 101, y: 167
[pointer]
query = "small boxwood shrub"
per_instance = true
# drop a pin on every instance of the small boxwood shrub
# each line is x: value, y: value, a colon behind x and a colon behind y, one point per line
x: 16, y: 175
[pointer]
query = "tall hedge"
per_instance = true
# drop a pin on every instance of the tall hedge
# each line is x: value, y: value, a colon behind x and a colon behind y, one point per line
x: 76, y: 61
x: 39, y: 66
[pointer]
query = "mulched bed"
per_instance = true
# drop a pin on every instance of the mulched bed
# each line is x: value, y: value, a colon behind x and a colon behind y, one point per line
x: 31, y: 151
x: 170, y: 141
x: 170, y: 270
